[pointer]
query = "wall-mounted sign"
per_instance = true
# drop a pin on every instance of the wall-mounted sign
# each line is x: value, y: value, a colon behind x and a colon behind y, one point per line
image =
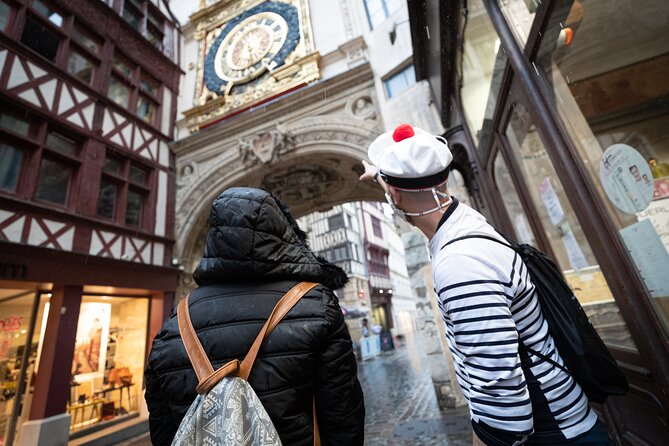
x: 626, y: 178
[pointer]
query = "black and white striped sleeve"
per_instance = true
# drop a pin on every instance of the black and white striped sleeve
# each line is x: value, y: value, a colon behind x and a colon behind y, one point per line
x: 475, y: 299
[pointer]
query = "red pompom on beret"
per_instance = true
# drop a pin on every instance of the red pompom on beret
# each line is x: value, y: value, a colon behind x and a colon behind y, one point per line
x: 402, y: 132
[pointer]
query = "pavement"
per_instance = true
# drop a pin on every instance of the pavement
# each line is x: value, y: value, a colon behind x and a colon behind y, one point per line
x: 401, y: 404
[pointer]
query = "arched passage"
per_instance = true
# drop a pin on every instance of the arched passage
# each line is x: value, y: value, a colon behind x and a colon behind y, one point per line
x: 312, y: 164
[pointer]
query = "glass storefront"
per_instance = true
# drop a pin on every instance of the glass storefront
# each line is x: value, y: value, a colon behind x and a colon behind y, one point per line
x: 482, y: 70
x: 520, y: 15
x: 109, y: 356
x: 16, y: 310
x: 568, y: 242
x: 512, y: 202
x: 609, y: 81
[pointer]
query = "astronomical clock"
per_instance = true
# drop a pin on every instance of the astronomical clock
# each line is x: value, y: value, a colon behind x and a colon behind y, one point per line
x: 250, y: 52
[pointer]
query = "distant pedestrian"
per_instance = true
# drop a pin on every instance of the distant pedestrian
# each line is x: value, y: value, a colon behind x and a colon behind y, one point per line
x: 255, y: 252
x: 364, y: 327
x: 488, y: 304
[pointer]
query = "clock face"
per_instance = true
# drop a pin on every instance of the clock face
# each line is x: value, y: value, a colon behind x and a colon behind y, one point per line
x: 250, y: 48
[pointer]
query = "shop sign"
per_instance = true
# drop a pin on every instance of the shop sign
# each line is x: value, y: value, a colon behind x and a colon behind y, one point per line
x: 11, y: 323
x: 626, y: 178
x: 13, y: 270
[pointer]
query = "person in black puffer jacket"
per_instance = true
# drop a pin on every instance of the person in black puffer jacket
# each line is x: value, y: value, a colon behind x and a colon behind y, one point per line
x: 255, y: 252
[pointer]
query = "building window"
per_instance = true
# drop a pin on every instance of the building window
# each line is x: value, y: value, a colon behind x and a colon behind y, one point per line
x: 123, y: 191
x: 399, y: 82
x: 57, y: 167
x: 134, y: 90
x: 118, y: 92
x: 5, y: 12
x: 376, y: 226
x: 48, y: 12
x: 336, y: 222
x: 83, y: 58
x: 54, y: 181
x: 40, y: 38
x: 379, y: 10
x: 10, y: 166
x: 154, y: 28
x: 133, y: 14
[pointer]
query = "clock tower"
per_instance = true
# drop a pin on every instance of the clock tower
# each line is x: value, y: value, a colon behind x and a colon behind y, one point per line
x: 250, y: 52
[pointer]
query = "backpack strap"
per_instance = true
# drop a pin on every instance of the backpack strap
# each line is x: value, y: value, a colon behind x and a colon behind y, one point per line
x: 510, y: 245
x: 487, y: 237
x: 204, y: 371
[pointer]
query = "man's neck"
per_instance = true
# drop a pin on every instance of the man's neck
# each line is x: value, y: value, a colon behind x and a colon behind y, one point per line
x: 427, y: 224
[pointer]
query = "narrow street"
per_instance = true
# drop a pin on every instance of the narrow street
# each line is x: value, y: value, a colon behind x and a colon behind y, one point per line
x: 401, y: 404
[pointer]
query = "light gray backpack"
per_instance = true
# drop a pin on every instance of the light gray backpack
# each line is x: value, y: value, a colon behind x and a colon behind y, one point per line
x: 227, y: 411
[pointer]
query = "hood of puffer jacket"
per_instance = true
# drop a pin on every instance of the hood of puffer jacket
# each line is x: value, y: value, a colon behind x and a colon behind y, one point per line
x: 253, y: 237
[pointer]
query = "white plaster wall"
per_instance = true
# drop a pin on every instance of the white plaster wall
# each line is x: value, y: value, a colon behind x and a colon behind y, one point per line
x: 189, y: 57
x: 327, y: 25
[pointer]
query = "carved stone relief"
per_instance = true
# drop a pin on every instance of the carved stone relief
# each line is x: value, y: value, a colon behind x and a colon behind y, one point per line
x: 361, y: 107
x: 265, y: 147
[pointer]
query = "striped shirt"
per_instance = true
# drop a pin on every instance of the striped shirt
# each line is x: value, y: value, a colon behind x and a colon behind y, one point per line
x: 488, y: 303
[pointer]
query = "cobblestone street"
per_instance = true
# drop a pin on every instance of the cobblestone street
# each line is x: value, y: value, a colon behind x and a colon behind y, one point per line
x: 401, y: 404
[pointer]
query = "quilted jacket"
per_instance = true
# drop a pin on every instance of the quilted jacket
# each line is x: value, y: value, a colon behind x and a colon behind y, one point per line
x: 254, y: 254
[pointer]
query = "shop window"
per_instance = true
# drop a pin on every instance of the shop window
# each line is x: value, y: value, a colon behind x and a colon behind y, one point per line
x: 512, y: 203
x: 520, y: 15
x: 5, y: 13
x: 109, y: 359
x: 40, y: 38
x: 123, y: 191
x: 16, y: 308
x: 483, y: 65
x: 399, y: 82
x: 612, y: 96
x: 10, y: 166
x: 379, y: 10
x: 563, y: 230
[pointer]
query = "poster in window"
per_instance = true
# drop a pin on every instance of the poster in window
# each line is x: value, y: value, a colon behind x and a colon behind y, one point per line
x: 626, y: 178
x: 91, y: 343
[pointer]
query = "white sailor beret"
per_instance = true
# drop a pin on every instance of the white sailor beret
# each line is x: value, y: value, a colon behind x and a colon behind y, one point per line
x: 411, y: 158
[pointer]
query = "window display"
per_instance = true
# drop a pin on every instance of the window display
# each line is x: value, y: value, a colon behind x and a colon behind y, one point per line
x: 108, y: 363
x: 16, y: 308
x: 609, y: 85
x: 568, y: 242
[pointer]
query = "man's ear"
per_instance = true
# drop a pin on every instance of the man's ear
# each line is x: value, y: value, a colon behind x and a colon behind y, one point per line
x: 396, y: 194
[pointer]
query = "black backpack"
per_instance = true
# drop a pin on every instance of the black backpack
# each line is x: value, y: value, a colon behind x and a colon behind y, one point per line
x: 583, y: 351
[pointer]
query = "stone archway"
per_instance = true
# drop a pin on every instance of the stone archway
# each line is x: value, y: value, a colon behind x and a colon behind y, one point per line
x: 305, y: 148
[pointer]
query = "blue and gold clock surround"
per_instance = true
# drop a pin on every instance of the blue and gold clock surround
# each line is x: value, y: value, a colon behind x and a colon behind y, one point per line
x: 255, y: 41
